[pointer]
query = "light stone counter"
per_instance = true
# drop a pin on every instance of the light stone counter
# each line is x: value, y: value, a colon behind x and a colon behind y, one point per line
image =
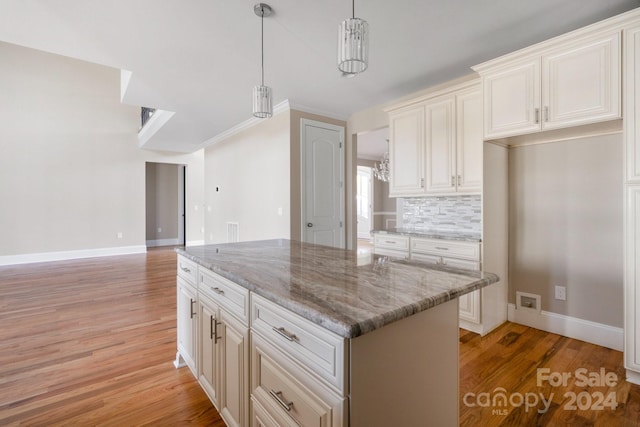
x: 348, y: 294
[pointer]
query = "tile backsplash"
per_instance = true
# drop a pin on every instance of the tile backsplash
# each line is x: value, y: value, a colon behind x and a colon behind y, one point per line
x: 443, y: 213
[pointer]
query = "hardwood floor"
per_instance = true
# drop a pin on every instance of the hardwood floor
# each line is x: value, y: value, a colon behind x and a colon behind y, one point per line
x: 510, y: 358
x: 91, y: 342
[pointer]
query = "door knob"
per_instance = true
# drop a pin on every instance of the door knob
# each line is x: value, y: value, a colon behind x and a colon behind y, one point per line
x: 309, y: 224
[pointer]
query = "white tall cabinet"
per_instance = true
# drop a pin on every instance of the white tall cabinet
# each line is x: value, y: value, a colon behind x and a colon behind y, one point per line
x: 632, y: 201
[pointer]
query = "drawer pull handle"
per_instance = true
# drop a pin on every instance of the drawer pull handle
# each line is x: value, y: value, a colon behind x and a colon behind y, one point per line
x: 277, y: 395
x: 218, y: 291
x: 185, y: 269
x: 390, y: 242
x: 284, y: 333
x: 442, y: 249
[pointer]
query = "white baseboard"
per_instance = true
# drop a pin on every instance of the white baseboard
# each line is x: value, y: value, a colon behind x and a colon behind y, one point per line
x: 161, y: 242
x: 67, y: 255
x: 633, y: 377
x: 572, y: 327
x: 195, y: 243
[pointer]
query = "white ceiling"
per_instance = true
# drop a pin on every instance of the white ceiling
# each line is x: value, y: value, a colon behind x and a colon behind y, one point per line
x: 201, y: 58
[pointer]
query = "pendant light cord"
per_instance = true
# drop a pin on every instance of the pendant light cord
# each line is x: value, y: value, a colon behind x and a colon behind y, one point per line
x: 262, y: 41
x: 353, y: 9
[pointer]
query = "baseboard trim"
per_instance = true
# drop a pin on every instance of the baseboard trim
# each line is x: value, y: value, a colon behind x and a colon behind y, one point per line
x: 633, y: 377
x: 195, y: 243
x: 161, y: 242
x: 572, y: 327
x: 67, y: 255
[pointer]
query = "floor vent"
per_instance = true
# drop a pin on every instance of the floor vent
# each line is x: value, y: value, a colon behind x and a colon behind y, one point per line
x: 232, y: 232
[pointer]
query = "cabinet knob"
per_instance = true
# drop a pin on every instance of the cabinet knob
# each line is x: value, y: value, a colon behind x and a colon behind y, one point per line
x: 309, y: 224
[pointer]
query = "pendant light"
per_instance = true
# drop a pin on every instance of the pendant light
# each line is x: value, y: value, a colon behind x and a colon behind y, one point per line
x: 262, y: 95
x: 353, y: 44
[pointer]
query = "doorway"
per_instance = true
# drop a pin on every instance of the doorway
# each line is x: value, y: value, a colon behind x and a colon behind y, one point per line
x: 364, y: 201
x: 165, y: 204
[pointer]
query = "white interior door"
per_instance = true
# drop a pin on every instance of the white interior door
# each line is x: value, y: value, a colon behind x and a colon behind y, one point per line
x: 364, y: 202
x: 322, y: 183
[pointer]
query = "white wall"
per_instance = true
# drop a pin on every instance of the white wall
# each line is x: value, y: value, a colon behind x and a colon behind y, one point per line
x: 71, y: 173
x: 251, y: 171
x: 566, y: 226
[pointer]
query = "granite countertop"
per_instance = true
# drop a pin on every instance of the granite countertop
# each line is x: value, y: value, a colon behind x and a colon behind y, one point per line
x: 466, y: 236
x: 342, y: 291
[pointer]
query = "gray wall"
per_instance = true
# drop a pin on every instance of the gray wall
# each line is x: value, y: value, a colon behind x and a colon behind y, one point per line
x: 566, y: 226
x: 162, y: 201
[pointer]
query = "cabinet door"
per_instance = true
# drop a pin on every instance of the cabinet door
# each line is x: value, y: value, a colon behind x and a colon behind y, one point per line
x: 632, y: 279
x: 469, y: 307
x: 234, y: 365
x: 581, y: 84
x: 440, y: 146
x: 512, y: 100
x: 632, y: 103
x: 406, y: 152
x: 469, y: 143
x: 187, y: 300
x: 208, y: 375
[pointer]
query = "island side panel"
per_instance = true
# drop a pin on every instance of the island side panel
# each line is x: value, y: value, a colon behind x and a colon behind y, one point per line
x: 406, y: 373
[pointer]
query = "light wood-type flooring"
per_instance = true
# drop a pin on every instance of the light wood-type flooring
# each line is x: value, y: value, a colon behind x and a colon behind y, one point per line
x: 91, y: 342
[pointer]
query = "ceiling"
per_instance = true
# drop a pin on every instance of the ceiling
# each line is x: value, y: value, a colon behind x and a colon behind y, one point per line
x: 201, y: 58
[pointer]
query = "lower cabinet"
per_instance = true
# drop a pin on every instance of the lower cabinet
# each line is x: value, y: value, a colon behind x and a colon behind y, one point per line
x: 285, y: 394
x: 223, y: 362
x: 186, y: 300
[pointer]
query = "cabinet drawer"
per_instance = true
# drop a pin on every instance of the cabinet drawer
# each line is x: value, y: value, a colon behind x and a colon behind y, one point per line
x: 317, y: 349
x: 285, y: 395
x: 446, y: 248
x: 234, y: 298
x: 390, y: 241
x: 188, y: 270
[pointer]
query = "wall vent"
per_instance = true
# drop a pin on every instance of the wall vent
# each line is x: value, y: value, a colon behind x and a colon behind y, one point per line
x: 233, y: 232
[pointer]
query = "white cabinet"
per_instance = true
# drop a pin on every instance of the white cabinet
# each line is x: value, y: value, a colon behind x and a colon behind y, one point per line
x: 440, y: 145
x: 441, y: 140
x: 209, y: 350
x: 298, y: 369
x: 632, y: 281
x: 224, y: 346
x: 187, y: 327
x: 454, y: 143
x: 406, y: 151
x: 632, y: 204
x: 213, y: 338
x: 457, y: 254
x: 512, y: 100
x: 568, y: 84
x: 469, y: 144
x: 632, y: 103
x: 391, y: 245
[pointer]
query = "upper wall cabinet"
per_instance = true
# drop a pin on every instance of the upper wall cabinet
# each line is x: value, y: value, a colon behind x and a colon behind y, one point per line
x: 435, y: 144
x: 572, y: 82
x: 406, y: 151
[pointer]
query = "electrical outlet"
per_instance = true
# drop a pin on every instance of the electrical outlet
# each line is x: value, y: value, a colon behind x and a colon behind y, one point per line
x: 159, y: 229
x: 119, y: 235
x: 561, y: 293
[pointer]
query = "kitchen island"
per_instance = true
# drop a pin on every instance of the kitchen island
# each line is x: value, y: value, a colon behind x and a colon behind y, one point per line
x: 328, y: 337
